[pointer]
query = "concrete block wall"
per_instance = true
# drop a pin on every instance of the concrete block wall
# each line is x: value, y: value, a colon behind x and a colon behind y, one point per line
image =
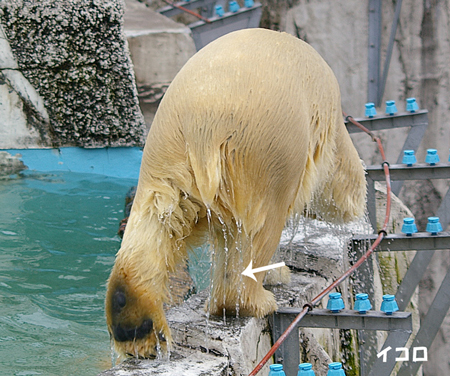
x: 75, y: 55
x: 159, y: 47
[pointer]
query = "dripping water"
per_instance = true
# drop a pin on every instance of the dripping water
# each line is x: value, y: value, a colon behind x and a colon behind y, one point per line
x: 159, y: 354
x: 114, y: 355
x: 211, y: 246
x: 169, y: 351
x: 240, y: 266
x: 225, y: 267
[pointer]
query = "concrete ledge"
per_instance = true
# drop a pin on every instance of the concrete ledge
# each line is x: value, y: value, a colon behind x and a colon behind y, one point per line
x: 189, y: 366
x: 214, y: 346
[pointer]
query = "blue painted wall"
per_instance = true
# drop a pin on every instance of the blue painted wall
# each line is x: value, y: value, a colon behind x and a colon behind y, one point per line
x: 117, y: 162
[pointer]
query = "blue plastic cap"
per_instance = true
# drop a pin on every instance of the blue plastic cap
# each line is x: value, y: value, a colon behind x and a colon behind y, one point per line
x: 370, y: 110
x: 305, y: 366
x: 362, y: 303
x: 335, y: 365
x: 219, y: 10
x: 409, y: 158
x: 305, y: 369
x: 391, y: 108
x: 276, y: 370
x: 233, y: 6
x: 432, y: 157
x: 433, y: 225
x: 335, y: 369
x: 411, y: 105
x: 249, y: 3
x: 409, y: 227
x: 362, y: 296
x: 389, y: 305
x: 335, y: 302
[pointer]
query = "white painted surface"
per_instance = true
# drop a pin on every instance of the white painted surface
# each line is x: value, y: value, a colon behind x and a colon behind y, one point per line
x: 14, y: 131
x: 15, y: 93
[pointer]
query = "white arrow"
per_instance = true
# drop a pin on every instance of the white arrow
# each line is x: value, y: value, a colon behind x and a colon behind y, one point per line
x: 250, y: 272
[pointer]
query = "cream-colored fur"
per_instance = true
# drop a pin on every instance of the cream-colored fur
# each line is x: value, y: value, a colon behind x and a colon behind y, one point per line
x: 249, y: 131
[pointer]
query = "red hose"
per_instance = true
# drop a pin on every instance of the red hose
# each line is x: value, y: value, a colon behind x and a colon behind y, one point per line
x: 187, y: 11
x: 381, y: 234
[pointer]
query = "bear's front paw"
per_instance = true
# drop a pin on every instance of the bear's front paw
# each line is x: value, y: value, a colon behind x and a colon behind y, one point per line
x: 136, y: 322
x: 145, y: 341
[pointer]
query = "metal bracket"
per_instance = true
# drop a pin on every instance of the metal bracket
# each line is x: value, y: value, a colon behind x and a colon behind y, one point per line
x: 420, y: 241
x: 427, y: 243
x: 420, y: 171
x: 289, y: 352
x: 170, y: 11
x: 382, y: 122
x: 204, y: 33
x: 418, y: 123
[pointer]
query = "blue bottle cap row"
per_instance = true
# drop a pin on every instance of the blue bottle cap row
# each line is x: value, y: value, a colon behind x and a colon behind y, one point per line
x: 391, y: 108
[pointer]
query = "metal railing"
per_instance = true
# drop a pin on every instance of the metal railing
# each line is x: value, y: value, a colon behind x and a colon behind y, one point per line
x: 206, y: 30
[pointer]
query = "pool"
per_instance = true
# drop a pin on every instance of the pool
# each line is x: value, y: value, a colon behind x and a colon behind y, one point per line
x: 57, y: 245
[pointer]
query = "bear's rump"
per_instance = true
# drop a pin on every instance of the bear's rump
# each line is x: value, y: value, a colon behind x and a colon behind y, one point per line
x: 245, y: 125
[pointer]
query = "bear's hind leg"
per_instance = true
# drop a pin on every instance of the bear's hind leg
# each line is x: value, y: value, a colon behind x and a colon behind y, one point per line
x: 233, y: 293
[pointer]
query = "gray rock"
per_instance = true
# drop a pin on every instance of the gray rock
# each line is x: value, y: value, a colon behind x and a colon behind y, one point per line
x: 10, y: 164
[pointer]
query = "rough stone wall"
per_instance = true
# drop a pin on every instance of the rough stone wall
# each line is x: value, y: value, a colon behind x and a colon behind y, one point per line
x: 75, y: 55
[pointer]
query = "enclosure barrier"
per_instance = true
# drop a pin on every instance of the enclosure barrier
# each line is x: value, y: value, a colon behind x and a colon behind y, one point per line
x: 288, y: 351
x: 215, y: 21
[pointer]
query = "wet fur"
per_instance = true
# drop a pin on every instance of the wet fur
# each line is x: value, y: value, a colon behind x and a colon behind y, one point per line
x: 250, y: 130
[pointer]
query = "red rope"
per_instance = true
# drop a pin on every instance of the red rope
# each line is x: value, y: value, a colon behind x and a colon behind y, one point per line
x: 187, y: 11
x: 381, y: 234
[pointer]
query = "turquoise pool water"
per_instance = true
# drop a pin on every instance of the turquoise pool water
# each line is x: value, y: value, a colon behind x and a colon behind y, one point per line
x: 57, y: 244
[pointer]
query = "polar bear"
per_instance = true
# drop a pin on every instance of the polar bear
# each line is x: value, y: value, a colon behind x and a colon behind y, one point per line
x: 249, y: 132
